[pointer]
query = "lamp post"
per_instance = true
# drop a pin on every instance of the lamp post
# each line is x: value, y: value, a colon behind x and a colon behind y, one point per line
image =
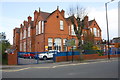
x: 107, y: 27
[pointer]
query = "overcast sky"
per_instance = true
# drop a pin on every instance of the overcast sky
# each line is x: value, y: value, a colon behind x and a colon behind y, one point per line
x: 12, y: 13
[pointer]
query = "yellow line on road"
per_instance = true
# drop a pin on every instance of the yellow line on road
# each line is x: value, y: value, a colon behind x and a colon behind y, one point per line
x: 54, y: 66
x: 16, y: 70
x: 41, y: 67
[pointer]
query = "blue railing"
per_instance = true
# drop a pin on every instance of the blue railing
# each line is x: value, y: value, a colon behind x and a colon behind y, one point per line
x: 59, y: 54
x: 20, y: 54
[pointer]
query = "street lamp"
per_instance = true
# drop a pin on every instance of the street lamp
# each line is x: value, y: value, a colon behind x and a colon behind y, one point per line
x: 107, y: 27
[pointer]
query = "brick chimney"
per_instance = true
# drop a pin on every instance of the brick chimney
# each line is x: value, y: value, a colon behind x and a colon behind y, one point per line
x: 62, y: 12
x: 29, y: 18
x: 25, y: 23
x: 21, y: 25
x: 35, y: 16
x: 86, y: 23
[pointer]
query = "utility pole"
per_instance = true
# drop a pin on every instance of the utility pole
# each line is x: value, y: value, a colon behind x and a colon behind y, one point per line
x: 107, y: 28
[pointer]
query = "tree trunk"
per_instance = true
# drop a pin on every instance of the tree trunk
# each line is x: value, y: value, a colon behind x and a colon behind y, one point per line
x: 80, y: 48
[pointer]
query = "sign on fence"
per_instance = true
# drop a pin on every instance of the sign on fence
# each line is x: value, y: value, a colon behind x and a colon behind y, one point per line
x: 70, y: 42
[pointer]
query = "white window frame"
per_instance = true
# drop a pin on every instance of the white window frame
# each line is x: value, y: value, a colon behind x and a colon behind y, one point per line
x: 42, y: 27
x: 24, y: 36
x: 91, y: 30
x: 82, y: 41
x: 72, y: 30
x: 24, y: 46
x: 30, y: 45
x: 95, y: 31
x: 69, y: 30
x: 98, y: 31
x: 50, y: 41
x: 58, y: 42
x: 29, y: 31
x: 39, y: 27
x: 61, y: 25
x: 64, y: 45
x: 20, y: 46
x: 21, y: 35
x: 64, y: 41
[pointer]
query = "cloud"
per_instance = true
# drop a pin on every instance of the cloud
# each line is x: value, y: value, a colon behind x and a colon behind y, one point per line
x: 100, y: 17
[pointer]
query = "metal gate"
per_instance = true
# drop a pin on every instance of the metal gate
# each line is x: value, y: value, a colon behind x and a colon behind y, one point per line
x: 31, y: 58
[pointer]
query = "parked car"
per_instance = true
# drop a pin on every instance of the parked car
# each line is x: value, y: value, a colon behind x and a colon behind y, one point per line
x: 36, y: 55
x: 47, y: 55
x: 28, y: 55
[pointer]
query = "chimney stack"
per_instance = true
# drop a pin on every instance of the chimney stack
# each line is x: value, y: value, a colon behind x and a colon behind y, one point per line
x: 29, y: 18
x: 62, y: 12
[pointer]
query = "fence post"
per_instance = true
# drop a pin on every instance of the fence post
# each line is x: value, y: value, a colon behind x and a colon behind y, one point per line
x: 67, y: 56
x: 18, y: 57
x: 54, y: 57
x: 72, y: 53
x: 37, y: 59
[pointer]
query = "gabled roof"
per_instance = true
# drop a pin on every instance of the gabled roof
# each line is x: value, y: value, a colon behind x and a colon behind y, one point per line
x: 44, y: 15
x: 90, y: 22
x: 68, y: 20
x: 31, y: 23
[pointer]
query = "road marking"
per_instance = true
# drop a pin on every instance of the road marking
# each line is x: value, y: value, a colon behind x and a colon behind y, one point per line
x: 56, y: 66
x: 40, y: 67
x: 16, y: 70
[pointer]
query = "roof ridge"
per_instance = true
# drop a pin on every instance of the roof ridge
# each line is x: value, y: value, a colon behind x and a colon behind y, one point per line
x: 45, y: 12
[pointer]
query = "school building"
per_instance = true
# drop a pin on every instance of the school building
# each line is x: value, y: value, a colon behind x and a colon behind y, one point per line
x: 49, y: 31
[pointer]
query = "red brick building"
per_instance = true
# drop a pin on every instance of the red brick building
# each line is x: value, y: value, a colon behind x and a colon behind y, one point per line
x: 48, y: 31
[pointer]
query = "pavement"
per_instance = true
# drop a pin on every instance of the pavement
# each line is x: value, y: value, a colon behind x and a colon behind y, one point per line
x: 12, y: 68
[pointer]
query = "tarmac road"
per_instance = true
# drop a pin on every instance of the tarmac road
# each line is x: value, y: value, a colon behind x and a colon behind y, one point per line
x: 99, y: 69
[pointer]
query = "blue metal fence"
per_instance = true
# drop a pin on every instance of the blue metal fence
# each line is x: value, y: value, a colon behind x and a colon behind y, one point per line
x: 65, y: 54
x: 35, y: 59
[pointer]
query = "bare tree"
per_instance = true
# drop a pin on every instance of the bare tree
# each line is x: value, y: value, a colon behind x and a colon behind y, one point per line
x: 77, y: 14
x: 77, y: 11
